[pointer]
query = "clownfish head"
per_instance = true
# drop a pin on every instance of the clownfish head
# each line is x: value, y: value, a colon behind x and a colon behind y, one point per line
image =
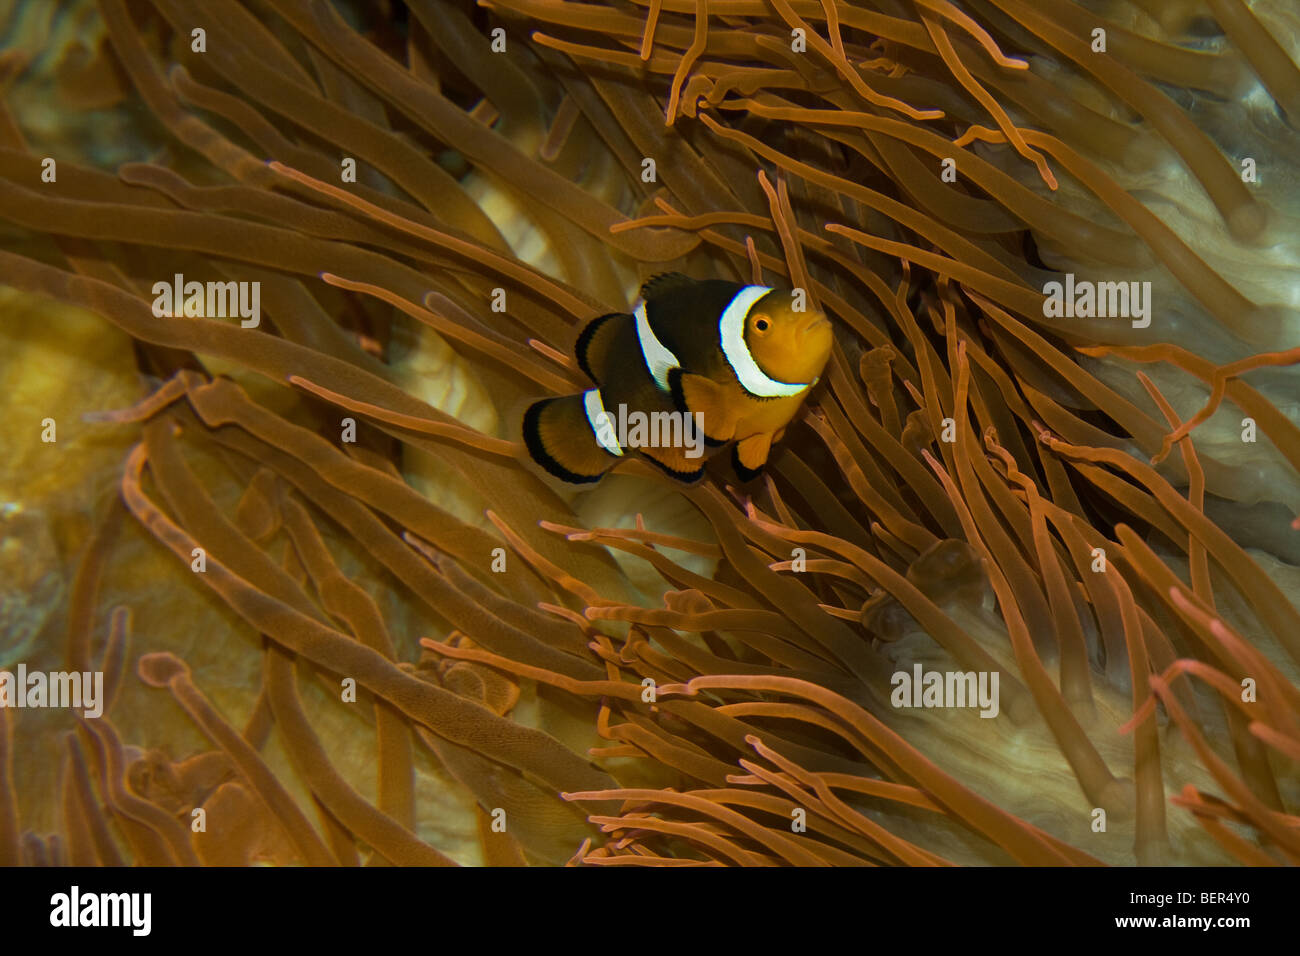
x: 789, y: 346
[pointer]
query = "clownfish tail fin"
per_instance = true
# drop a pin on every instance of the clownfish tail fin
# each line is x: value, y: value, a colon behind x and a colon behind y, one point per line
x: 560, y: 437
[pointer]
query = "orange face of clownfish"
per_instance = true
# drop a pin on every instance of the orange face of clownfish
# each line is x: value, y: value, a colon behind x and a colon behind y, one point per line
x: 786, y: 346
x: 696, y: 363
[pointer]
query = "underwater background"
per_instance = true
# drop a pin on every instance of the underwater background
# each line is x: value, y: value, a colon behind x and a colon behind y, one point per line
x: 340, y: 612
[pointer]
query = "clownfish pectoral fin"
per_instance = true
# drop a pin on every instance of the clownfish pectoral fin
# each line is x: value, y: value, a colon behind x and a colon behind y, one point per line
x: 559, y: 436
x: 592, y: 347
x: 750, y: 455
x: 697, y: 394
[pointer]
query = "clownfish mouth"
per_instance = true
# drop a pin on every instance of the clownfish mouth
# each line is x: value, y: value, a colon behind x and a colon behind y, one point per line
x: 812, y: 323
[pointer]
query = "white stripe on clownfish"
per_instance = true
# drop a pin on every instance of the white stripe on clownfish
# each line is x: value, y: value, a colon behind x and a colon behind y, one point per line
x: 601, y: 425
x: 732, y: 333
x: 659, y: 359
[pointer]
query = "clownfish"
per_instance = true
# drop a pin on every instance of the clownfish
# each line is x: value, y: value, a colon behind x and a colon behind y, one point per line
x: 701, y: 361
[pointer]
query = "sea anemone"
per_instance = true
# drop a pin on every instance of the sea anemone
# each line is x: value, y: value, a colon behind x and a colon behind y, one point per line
x: 343, y: 619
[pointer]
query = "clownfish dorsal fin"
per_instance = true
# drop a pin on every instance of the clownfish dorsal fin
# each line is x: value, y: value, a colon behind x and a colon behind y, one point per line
x: 592, y: 347
x: 664, y: 282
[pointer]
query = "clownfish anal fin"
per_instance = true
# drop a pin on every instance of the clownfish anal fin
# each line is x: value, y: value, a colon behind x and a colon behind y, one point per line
x: 592, y: 346
x: 678, y: 474
x: 666, y: 282
x: 695, y: 393
x: 749, y: 455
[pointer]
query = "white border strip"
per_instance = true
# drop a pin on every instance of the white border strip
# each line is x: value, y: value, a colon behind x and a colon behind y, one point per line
x: 602, y: 426
x: 658, y: 358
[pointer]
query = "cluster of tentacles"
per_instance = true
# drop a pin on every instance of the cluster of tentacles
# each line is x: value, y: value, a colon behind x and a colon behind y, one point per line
x: 964, y: 489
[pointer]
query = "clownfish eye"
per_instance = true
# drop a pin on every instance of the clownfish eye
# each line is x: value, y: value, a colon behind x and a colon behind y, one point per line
x: 761, y: 324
